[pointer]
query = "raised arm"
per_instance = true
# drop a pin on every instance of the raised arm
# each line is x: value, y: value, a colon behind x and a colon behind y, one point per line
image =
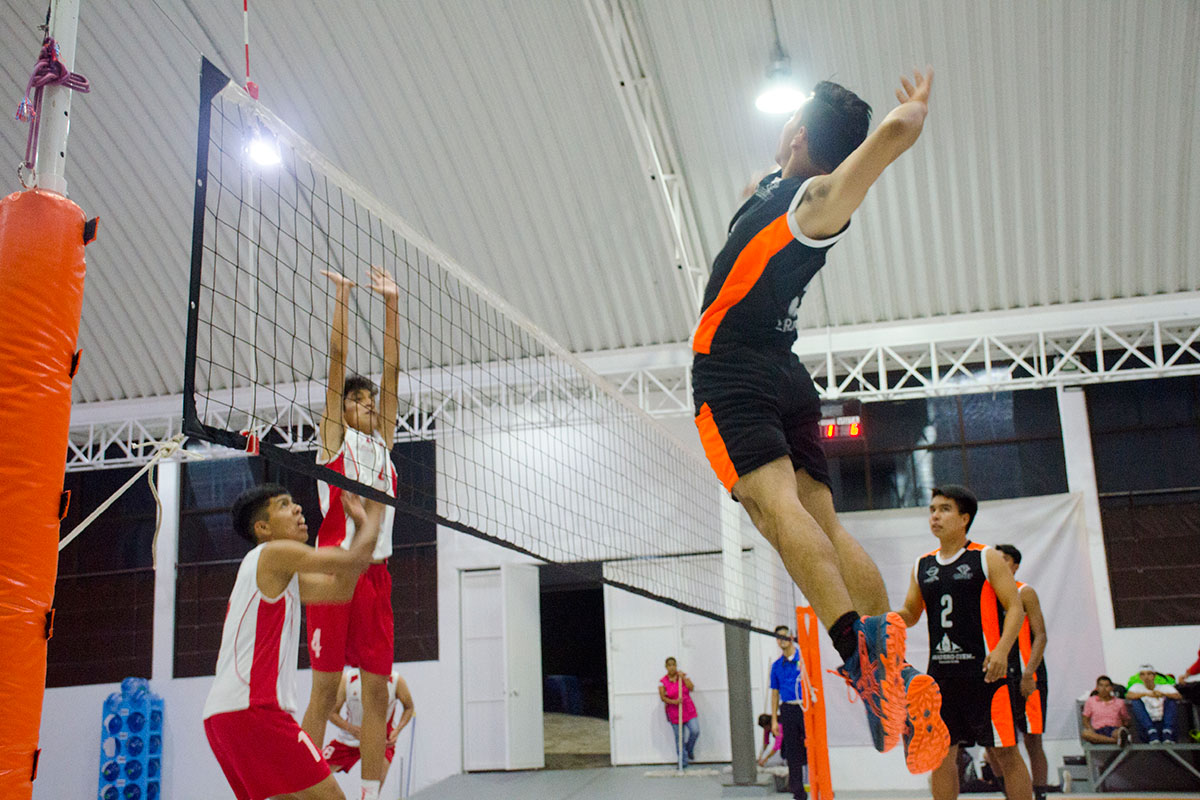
x: 995, y: 663
x: 327, y: 574
x: 914, y: 603
x: 831, y: 199
x: 1037, y: 627
x: 331, y: 427
x: 383, y: 283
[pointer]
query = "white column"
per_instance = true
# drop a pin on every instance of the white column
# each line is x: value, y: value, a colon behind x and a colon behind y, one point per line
x: 1081, y: 478
x: 166, y: 558
x: 56, y: 102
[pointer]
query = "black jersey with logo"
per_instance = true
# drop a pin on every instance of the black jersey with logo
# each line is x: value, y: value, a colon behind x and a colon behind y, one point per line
x: 759, y: 277
x: 964, y: 616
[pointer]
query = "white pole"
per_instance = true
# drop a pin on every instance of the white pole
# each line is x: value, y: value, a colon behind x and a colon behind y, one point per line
x: 166, y: 558
x: 51, y: 160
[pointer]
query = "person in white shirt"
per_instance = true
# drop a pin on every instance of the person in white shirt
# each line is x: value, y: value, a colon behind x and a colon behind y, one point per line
x: 1153, y: 706
x: 248, y: 716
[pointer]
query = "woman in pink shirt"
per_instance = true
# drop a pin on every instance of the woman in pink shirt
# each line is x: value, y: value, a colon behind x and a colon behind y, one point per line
x: 1105, y: 718
x: 675, y: 690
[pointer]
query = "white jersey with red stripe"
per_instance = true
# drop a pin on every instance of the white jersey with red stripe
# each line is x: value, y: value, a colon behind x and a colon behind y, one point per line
x: 364, y: 459
x: 354, y: 704
x: 260, y: 643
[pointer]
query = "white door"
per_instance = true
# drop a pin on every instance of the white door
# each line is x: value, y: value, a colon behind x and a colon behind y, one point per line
x: 485, y: 727
x: 501, y: 669
x: 523, y: 654
x: 642, y: 633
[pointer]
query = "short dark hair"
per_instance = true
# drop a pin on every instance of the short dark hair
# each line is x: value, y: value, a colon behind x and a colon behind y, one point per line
x: 356, y: 383
x: 1010, y: 551
x: 963, y: 498
x: 670, y: 658
x: 1104, y: 678
x: 764, y: 721
x: 783, y: 628
x: 251, y: 507
x: 836, y: 120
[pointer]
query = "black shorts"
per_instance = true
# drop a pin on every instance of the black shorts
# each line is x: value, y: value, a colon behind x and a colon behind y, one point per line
x: 1029, y: 713
x: 754, y: 406
x: 977, y: 712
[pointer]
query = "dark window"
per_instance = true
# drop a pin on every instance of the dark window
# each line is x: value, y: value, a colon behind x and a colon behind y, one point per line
x: 210, y: 553
x: 104, y: 595
x: 1005, y: 444
x: 1146, y: 448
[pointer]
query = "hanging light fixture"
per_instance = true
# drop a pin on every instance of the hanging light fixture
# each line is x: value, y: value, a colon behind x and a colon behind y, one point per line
x: 781, y: 95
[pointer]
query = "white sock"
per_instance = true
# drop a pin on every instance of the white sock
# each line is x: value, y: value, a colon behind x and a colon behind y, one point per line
x: 370, y: 790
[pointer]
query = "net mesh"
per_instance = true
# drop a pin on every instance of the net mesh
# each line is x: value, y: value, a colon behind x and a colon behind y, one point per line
x: 534, y: 451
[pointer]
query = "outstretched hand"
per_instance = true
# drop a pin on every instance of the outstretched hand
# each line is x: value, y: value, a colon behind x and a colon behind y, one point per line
x: 352, y: 504
x: 339, y: 280
x: 384, y: 283
x: 916, y: 90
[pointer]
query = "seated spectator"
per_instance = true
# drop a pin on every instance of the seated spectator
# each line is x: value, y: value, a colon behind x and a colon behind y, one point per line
x: 1192, y: 673
x: 1105, y: 718
x: 768, y: 749
x: 1153, y: 705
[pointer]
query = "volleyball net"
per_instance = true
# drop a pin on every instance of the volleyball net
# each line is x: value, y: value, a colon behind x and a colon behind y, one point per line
x: 533, y: 450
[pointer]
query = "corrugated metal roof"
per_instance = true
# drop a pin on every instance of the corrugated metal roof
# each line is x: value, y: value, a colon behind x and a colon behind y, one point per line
x: 1058, y: 163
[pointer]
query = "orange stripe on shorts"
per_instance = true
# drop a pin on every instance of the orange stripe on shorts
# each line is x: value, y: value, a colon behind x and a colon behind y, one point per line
x: 1002, y: 719
x: 714, y: 448
x: 1034, y: 723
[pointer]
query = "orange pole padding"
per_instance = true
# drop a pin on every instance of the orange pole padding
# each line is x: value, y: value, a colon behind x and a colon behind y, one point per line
x: 41, y: 297
x: 808, y: 633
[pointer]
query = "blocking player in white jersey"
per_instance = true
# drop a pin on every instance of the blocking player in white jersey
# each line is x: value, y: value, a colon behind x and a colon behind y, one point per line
x: 248, y: 714
x: 356, y: 441
x: 343, y: 752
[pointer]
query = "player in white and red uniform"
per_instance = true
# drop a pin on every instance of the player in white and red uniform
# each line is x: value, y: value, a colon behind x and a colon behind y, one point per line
x: 342, y: 752
x: 356, y: 441
x: 248, y: 714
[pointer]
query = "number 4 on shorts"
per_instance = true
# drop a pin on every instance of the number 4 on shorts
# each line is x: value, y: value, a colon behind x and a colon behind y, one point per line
x: 316, y: 643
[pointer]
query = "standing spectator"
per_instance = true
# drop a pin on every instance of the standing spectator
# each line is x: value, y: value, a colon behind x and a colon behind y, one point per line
x: 675, y: 690
x: 1153, y: 705
x: 1104, y: 716
x: 787, y: 713
x: 1191, y: 672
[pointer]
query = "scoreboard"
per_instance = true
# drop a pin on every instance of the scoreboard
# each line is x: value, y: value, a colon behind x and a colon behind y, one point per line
x: 842, y: 421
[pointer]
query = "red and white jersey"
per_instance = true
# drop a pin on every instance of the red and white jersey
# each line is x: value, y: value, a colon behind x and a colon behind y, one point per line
x: 364, y: 459
x: 353, y: 712
x: 260, y: 643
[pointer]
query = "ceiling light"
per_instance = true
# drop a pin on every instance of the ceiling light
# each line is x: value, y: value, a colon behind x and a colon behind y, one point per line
x: 781, y: 95
x: 263, y: 149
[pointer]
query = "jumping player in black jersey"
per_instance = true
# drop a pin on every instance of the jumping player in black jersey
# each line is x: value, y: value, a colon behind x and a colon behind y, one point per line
x: 975, y: 616
x: 757, y: 408
x: 1027, y: 677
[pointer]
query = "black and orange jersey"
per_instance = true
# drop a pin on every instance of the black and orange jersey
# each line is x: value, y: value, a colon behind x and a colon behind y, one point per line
x: 759, y: 277
x: 1018, y: 657
x: 965, y: 619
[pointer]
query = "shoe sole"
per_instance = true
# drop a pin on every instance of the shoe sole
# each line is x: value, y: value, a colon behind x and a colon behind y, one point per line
x: 893, y: 701
x: 931, y: 740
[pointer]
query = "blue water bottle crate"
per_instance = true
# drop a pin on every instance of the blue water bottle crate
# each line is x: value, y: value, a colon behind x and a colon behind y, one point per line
x: 131, y: 743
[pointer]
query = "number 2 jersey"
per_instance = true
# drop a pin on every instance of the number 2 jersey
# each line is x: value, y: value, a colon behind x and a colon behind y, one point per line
x: 965, y: 618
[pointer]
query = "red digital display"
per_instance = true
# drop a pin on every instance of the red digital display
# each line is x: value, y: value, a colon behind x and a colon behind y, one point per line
x: 849, y: 427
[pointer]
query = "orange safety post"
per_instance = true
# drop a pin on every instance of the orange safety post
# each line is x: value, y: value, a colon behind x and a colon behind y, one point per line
x: 808, y: 630
x: 41, y: 296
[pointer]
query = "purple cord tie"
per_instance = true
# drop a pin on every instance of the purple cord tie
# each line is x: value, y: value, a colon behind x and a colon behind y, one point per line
x: 49, y: 71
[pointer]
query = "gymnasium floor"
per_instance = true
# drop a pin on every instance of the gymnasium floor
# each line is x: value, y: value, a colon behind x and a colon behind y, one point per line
x: 631, y: 783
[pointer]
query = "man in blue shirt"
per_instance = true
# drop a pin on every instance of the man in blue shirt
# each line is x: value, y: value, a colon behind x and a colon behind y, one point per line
x: 787, y: 713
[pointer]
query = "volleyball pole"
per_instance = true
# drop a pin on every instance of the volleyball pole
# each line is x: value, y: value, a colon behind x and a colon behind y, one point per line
x: 42, y: 238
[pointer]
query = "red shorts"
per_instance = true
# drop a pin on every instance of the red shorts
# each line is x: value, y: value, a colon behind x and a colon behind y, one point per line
x: 264, y: 753
x: 341, y: 757
x: 359, y: 633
